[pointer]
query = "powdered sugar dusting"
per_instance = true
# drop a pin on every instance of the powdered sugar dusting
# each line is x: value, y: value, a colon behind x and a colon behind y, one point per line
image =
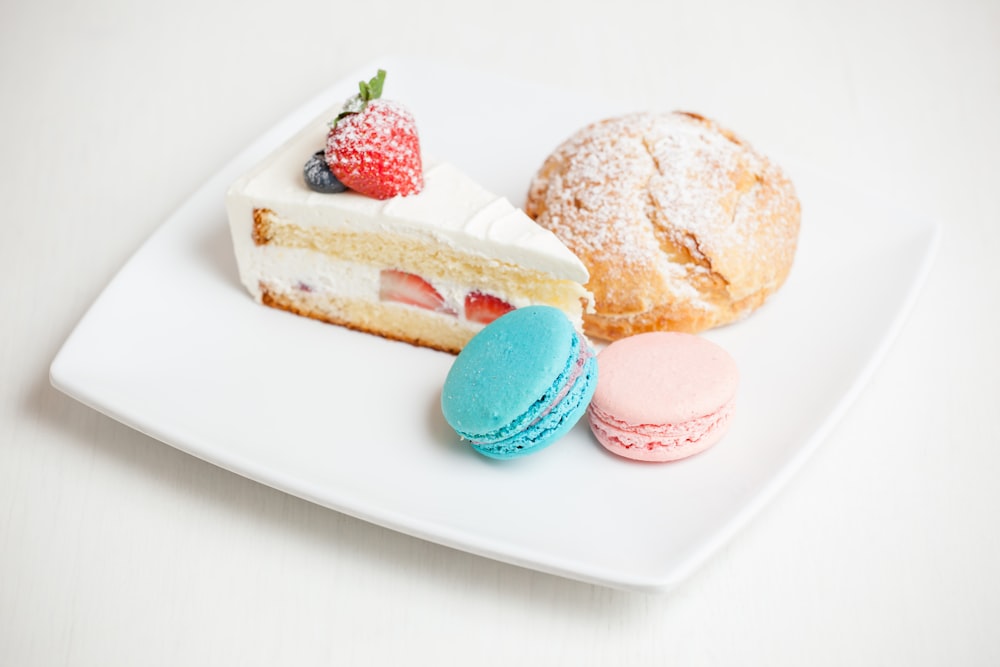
x: 672, y: 203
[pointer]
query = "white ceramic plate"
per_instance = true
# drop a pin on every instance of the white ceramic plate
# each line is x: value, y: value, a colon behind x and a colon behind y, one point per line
x: 175, y: 348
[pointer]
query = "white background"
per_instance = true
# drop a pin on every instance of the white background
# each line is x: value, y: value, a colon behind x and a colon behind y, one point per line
x: 116, y: 549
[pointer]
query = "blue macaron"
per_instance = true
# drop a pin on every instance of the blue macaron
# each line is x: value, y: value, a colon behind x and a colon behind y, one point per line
x: 520, y: 384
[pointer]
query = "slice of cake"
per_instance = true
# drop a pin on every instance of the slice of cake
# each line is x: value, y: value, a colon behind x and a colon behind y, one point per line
x: 430, y: 268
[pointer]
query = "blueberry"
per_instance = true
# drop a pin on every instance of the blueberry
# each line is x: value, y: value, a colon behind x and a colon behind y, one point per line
x: 319, y: 177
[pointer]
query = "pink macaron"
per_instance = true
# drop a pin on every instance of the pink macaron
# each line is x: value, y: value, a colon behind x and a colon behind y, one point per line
x: 663, y: 396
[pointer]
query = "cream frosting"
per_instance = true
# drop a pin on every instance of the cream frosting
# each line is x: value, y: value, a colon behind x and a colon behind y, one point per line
x: 452, y: 210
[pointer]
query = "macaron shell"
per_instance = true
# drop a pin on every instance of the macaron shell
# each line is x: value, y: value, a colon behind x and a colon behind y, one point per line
x: 663, y: 396
x: 664, y: 378
x: 505, y: 369
x: 520, y: 384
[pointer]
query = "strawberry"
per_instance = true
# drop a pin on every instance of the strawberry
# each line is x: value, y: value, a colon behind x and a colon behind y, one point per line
x: 373, y: 147
x: 484, y: 308
x: 411, y: 289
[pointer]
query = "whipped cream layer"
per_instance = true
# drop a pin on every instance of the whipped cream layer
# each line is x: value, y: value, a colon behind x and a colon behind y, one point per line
x: 452, y: 210
x: 291, y: 269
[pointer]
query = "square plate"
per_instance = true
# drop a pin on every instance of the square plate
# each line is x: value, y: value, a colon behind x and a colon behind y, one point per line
x: 175, y: 348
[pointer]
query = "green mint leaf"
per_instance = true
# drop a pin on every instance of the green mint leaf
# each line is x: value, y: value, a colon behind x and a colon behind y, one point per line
x: 367, y: 91
x: 375, y: 85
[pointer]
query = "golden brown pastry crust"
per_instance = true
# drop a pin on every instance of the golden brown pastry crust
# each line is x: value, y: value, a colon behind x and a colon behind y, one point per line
x: 682, y: 224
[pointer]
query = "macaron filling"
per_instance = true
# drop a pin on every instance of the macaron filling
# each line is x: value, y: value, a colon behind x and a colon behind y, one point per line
x: 581, y: 362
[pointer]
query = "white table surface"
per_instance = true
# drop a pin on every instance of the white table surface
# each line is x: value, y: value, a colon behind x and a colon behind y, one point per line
x: 116, y: 549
